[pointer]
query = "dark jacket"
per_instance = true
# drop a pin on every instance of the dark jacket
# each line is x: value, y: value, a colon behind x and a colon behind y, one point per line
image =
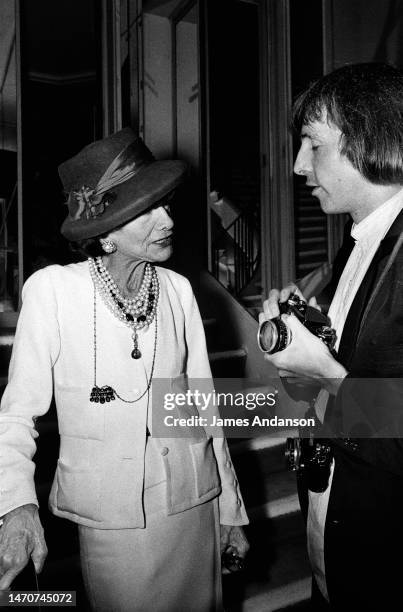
x: 364, y: 525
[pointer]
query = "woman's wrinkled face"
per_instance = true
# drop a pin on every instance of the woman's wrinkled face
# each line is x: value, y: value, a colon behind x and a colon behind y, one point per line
x: 147, y: 237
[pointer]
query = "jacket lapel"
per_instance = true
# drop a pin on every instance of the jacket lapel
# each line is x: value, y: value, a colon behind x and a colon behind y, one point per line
x: 355, y: 315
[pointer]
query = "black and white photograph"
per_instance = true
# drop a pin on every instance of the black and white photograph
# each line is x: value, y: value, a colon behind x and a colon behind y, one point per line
x: 201, y: 305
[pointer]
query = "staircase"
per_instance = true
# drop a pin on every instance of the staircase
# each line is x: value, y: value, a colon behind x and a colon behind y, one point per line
x: 277, y: 574
x: 235, y: 244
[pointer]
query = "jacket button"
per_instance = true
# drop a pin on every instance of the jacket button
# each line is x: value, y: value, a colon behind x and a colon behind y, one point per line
x: 228, y: 464
x: 164, y: 451
x: 238, y: 501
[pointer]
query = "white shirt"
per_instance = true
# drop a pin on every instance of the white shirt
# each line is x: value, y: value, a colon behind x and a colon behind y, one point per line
x: 368, y: 235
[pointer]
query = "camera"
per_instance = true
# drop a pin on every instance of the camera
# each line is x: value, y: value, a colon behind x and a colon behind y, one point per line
x: 312, y: 458
x: 274, y: 335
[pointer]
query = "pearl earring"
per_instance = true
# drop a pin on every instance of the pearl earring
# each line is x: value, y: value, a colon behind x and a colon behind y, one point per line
x: 108, y: 246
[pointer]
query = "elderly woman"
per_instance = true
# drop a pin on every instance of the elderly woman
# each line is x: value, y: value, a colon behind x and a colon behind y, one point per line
x: 96, y: 334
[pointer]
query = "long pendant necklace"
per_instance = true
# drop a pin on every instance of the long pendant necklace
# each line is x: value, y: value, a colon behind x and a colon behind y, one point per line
x: 137, y: 312
x: 107, y: 393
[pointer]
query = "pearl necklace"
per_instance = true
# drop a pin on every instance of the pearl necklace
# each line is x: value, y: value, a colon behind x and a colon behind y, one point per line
x: 145, y: 309
x: 138, y: 312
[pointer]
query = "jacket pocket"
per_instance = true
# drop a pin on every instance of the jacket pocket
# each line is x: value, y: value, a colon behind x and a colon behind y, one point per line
x: 78, y: 491
x: 205, y: 467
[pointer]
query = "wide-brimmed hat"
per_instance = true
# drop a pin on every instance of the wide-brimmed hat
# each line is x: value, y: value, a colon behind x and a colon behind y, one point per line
x: 113, y: 180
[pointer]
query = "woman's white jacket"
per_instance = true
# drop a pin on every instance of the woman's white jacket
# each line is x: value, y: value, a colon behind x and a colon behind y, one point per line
x: 100, y: 472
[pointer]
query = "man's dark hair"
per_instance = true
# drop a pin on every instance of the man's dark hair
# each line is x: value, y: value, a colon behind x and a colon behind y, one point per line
x: 365, y: 101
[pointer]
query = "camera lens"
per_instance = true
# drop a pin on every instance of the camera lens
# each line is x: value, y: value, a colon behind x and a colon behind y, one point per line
x: 273, y: 336
x: 267, y: 336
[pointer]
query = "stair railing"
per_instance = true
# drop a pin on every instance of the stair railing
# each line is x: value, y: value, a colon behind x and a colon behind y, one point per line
x: 238, y: 245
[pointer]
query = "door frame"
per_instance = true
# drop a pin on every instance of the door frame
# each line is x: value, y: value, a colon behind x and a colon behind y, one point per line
x: 205, y: 122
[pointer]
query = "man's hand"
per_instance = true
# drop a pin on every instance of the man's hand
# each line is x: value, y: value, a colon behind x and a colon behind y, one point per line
x: 307, y: 357
x: 21, y: 537
x: 270, y: 306
x: 233, y: 540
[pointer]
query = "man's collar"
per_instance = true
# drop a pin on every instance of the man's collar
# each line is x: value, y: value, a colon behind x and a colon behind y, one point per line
x: 377, y: 223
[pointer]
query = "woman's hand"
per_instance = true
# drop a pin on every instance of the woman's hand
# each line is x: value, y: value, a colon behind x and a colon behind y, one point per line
x: 233, y: 540
x: 21, y: 537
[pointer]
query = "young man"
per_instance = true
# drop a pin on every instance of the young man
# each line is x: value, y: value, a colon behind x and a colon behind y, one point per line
x: 351, y: 126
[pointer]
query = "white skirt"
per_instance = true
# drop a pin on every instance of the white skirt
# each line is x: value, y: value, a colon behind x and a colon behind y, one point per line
x: 172, y: 565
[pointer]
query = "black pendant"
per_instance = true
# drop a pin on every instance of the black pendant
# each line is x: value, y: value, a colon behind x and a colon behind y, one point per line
x: 100, y: 395
x: 136, y: 354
